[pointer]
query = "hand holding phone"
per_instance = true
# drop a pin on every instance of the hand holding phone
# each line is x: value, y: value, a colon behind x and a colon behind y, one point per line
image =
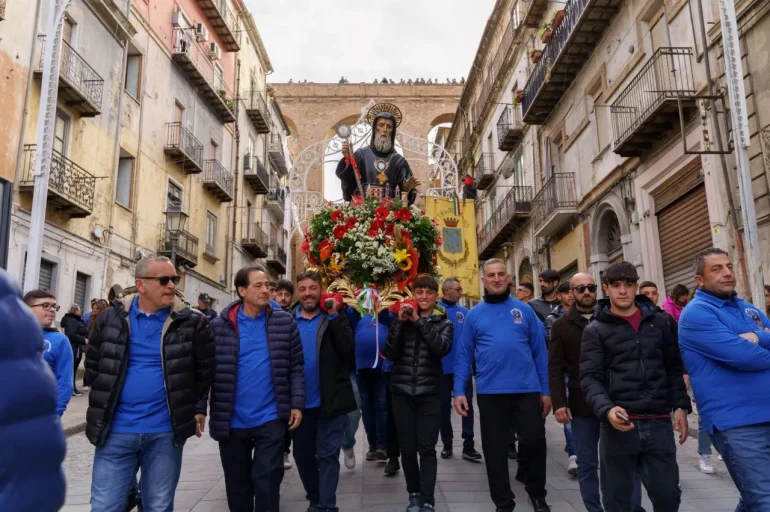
x: 618, y: 418
x: 619, y: 415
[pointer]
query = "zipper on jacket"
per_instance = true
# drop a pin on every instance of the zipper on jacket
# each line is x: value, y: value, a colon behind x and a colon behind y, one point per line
x: 113, y: 401
x: 165, y: 377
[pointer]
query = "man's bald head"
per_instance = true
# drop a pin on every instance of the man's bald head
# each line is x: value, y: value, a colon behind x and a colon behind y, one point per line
x: 584, y: 290
x: 581, y: 278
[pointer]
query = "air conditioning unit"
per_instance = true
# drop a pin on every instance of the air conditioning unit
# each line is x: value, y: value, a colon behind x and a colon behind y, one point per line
x: 215, y: 52
x: 201, y: 33
x: 246, y: 162
x: 176, y: 19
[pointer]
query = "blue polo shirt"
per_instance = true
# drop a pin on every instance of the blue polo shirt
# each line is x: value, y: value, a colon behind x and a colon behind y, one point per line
x: 142, y: 407
x: 255, y: 402
x: 308, y: 331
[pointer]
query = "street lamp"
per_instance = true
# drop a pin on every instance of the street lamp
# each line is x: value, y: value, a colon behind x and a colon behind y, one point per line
x: 175, y: 221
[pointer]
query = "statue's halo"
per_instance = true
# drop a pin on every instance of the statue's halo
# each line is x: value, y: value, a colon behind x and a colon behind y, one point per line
x: 379, y: 108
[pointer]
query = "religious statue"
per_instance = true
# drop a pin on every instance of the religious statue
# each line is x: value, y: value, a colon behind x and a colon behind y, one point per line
x: 381, y: 167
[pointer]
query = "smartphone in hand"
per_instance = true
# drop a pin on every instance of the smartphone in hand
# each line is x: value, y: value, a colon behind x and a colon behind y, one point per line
x: 622, y: 417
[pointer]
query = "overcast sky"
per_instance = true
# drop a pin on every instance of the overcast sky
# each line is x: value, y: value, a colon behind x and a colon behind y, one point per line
x: 321, y: 40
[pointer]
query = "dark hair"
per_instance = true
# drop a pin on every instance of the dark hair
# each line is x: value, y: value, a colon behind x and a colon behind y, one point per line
x: 679, y: 290
x: 549, y: 276
x: 563, y: 288
x: 699, y: 263
x: 767, y: 288
x: 425, y: 282
x: 242, y: 276
x: 529, y: 286
x: 41, y: 293
x: 309, y: 274
x: 648, y: 284
x: 621, y: 271
x: 285, y: 284
x: 271, y: 284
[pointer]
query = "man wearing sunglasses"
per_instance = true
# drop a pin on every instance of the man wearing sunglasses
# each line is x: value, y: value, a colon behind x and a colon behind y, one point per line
x: 57, y: 350
x: 150, y: 358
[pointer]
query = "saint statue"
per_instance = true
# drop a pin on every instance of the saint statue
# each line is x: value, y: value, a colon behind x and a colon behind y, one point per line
x: 380, y: 165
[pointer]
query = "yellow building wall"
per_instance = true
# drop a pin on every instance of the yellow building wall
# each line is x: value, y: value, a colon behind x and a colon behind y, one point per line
x: 570, y: 249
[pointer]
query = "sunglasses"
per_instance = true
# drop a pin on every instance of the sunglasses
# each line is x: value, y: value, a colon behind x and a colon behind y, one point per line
x: 47, y: 306
x: 581, y: 288
x: 163, y: 280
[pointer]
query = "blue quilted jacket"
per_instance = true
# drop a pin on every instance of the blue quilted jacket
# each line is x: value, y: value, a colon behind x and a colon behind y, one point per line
x: 32, y: 451
x: 286, y: 359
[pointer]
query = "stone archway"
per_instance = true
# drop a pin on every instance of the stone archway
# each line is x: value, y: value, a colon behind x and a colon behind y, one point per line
x: 610, y: 235
x: 525, y: 271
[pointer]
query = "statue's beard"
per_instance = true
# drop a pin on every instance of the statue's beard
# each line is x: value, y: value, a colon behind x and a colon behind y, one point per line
x: 382, y: 143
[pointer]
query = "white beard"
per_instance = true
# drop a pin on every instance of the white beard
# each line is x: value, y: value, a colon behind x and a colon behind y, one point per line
x: 382, y: 144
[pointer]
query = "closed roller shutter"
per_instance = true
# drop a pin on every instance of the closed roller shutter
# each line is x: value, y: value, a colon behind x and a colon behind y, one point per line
x: 46, y: 274
x: 684, y: 230
x: 81, y: 284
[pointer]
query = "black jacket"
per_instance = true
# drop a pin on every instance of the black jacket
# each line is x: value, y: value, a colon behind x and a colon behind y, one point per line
x: 416, y: 351
x: 641, y: 372
x: 336, y: 358
x: 188, y: 365
x: 564, y: 352
x: 75, y: 329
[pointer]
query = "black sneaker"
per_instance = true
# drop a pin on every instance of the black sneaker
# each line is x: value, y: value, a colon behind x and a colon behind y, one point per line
x: 381, y: 456
x: 392, y: 467
x: 75, y: 392
x: 371, y: 455
x: 539, y: 505
x: 415, y: 503
x: 471, y: 454
x: 446, y: 453
x: 427, y: 508
x: 512, y: 453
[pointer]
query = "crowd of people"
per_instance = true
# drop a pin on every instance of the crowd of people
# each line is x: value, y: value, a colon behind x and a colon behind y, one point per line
x: 289, y: 367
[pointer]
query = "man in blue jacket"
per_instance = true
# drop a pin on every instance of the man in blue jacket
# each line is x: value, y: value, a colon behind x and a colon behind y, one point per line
x: 506, y: 339
x: 452, y: 292
x: 258, y: 391
x: 30, y: 424
x: 57, y: 350
x: 725, y: 344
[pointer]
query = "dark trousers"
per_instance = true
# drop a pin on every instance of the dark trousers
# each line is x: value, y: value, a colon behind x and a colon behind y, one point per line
x: 317, y: 445
x: 497, y: 413
x: 418, y: 420
x: 393, y: 448
x: 77, y: 357
x: 447, y: 435
x: 648, y: 449
x: 252, y: 460
x: 371, y: 387
x: 287, y: 442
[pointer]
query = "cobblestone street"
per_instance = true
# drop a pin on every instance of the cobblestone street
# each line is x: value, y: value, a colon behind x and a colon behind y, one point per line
x: 462, y: 485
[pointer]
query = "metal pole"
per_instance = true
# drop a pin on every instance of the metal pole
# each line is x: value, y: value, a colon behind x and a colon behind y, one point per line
x: 739, y: 116
x: 46, y: 120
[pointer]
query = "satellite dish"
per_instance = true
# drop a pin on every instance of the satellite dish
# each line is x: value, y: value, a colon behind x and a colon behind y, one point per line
x: 344, y: 131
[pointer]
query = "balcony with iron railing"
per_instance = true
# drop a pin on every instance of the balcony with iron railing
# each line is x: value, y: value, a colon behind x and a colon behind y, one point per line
x: 276, y: 258
x: 2, y: 10
x: 484, y: 171
x: 555, y: 205
x: 514, y: 209
x: 275, y: 152
x: 531, y: 12
x: 276, y: 200
x: 196, y: 64
x: 256, y: 109
x: 184, y: 148
x: 179, y: 245
x: 255, y: 241
x: 650, y: 106
x: 563, y: 57
x: 255, y: 174
x: 223, y: 21
x: 218, y: 181
x: 80, y: 86
x: 510, y: 129
x: 70, y: 187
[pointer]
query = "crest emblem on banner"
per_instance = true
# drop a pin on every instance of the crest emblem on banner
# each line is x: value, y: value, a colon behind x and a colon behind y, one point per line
x: 453, y: 236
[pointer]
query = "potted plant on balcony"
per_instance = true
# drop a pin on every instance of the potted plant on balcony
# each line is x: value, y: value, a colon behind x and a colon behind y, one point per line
x: 535, y: 55
x: 546, y: 33
x: 557, y: 19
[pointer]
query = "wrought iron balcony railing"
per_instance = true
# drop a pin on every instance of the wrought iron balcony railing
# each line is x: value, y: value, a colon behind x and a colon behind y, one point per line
x: 180, y: 244
x: 276, y: 257
x: 275, y: 151
x: 485, y: 171
x: 655, y: 94
x: 554, y: 203
x: 276, y: 198
x: 255, y: 174
x: 223, y: 21
x: 509, y: 128
x: 256, y: 109
x: 186, y: 150
x: 80, y: 86
x: 218, y: 181
x: 70, y: 187
x: 255, y: 241
x: 517, y: 204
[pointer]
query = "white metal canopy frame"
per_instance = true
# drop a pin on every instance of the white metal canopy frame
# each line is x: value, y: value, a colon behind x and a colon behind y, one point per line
x: 444, y: 175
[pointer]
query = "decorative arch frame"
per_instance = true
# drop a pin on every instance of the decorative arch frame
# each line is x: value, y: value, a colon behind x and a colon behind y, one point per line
x: 610, y: 205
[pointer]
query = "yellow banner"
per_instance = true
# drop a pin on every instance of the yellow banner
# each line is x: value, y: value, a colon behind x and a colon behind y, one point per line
x: 459, y: 256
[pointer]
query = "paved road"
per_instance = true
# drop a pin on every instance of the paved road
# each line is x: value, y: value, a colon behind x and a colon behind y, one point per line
x: 462, y: 485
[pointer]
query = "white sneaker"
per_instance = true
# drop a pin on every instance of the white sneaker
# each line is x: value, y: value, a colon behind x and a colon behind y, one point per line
x: 286, y: 461
x: 720, y: 457
x: 572, y: 466
x: 705, y: 465
x: 350, y: 458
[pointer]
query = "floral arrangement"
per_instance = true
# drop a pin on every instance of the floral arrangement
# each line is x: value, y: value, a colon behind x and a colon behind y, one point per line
x: 374, y: 243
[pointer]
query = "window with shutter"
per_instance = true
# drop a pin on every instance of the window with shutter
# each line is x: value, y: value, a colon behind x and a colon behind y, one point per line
x: 81, y: 289
x: 46, y: 274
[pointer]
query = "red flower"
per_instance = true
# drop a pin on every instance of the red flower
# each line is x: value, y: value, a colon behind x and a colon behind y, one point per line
x: 306, y: 246
x: 381, y: 213
x: 390, y: 228
x: 311, y: 260
x: 351, y: 222
x: 337, y: 216
x: 325, y: 249
x: 404, y: 215
x: 339, y: 231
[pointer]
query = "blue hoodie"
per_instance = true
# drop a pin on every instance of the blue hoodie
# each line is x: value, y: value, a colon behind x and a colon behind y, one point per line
x: 456, y: 314
x: 32, y: 452
x: 507, y: 341
x: 730, y: 376
x: 58, y: 354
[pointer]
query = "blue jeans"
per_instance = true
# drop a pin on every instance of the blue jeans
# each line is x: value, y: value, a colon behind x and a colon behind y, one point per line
x: 354, y: 417
x: 585, y: 430
x: 569, y: 439
x: 746, y: 452
x: 446, y: 391
x: 117, y: 461
x: 704, y: 441
x: 374, y: 407
x: 317, y: 443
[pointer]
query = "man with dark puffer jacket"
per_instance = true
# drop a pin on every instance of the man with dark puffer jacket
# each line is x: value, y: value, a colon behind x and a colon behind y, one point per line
x: 417, y: 341
x: 258, y: 392
x: 631, y: 376
x: 150, y: 358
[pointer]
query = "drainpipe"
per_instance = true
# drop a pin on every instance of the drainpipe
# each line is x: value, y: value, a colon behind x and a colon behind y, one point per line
x: 234, y: 234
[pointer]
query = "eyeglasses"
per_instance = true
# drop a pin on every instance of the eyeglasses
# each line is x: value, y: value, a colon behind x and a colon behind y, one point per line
x: 581, y: 288
x: 163, y: 280
x: 47, y: 306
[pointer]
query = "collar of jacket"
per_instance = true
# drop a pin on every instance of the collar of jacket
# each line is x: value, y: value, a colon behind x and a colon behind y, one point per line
x: 498, y: 298
x: 716, y: 299
x: 323, y: 323
x: 446, y: 303
x: 644, y: 304
x: 230, y: 313
x: 575, y: 316
x: 437, y: 314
